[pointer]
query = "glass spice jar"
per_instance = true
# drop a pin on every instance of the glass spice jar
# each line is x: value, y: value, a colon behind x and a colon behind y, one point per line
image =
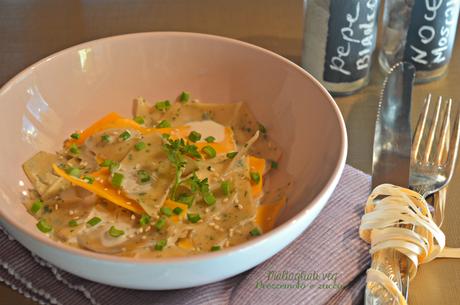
x: 421, y: 32
x: 339, y: 39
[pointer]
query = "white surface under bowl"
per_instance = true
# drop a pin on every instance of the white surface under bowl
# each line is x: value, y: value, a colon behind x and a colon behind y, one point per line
x: 67, y: 91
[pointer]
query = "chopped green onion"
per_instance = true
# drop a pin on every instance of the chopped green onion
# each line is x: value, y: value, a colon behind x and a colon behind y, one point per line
x: 125, y: 135
x: 114, y: 232
x: 210, y: 139
x: 73, y: 171
x: 36, y: 206
x: 106, y: 163
x: 215, y: 248
x: 255, y: 232
x: 139, y: 146
x: 262, y: 129
x: 88, y: 179
x: 184, y: 97
x: 73, y: 223
x: 144, y: 220
x: 226, y: 187
x: 209, y: 151
x: 75, y: 136
x: 232, y: 154
x: 193, y: 218
x: 255, y: 177
x: 105, y: 138
x: 94, y: 221
x: 117, y: 179
x: 166, y: 211
x: 166, y: 136
x: 113, y: 167
x: 164, y: 124
x: 74, y: 149
x: 143, y: 176
x: 209, y: 198
x: 44, y: 226
x: 177, y: 210
x: 274, y: 164
x: 163, y: 105
x: 187, y: 199
x: 139, y: 120
x: 160, y: 223
x: 160, y: 244
x: 194, y: 136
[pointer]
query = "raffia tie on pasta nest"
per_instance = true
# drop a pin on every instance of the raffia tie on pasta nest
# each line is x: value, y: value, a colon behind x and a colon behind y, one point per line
x: 387, y: 208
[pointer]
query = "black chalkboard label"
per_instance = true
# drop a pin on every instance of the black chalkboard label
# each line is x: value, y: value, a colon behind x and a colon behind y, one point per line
x: 352, y: 30
x: 431, y: 33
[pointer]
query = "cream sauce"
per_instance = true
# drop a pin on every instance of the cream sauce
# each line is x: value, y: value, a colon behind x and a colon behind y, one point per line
x: 226, y: 222
x: 208, y: 128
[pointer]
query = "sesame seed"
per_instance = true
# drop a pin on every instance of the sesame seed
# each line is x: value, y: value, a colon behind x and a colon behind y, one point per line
x: 71, y: 212
x: 133, y: 217
x: 148, y: 228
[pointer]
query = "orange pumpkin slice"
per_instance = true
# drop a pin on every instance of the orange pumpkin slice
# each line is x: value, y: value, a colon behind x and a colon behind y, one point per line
x: 172, y: 205
x: 101, y: 186
x: 267, y: 214
x: 256, y: 165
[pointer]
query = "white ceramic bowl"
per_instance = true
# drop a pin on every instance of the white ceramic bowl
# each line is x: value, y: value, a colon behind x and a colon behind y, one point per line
x: 66, y: 91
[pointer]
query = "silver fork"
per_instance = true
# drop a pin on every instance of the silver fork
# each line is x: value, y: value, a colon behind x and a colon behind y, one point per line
x: 433, y: 157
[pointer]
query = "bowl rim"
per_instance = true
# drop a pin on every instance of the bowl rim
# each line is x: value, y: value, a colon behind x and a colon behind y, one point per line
x: 331, y: 182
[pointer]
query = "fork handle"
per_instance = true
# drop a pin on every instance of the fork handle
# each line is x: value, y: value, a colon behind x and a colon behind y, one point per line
x: 388, y: 262
x: 405, y: 285
x: 404, y: 265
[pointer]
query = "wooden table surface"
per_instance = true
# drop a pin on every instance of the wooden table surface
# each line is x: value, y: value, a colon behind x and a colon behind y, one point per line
x: 31, y: 30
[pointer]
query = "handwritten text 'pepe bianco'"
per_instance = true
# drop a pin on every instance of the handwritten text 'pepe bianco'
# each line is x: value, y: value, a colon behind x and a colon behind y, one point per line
x: 364, y: 40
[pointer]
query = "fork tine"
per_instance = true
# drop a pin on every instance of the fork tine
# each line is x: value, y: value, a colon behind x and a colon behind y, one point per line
x: 453, y: 151
x: 432, y: 132
x: 443, y: 144
x: 419, y: 130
